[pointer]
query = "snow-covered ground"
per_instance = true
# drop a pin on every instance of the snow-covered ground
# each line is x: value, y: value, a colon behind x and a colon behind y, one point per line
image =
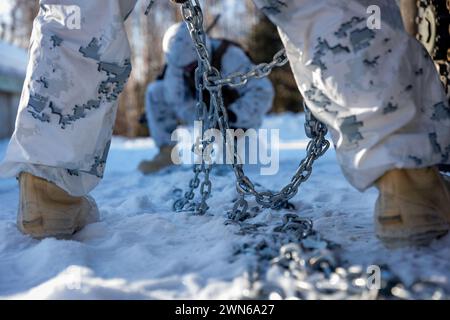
x: 142, y: 249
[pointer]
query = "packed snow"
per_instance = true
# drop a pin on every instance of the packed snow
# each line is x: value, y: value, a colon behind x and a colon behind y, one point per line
x: 141, y: 249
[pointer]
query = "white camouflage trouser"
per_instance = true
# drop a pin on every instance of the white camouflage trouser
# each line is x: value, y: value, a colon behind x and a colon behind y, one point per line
x: 69, y: 101
x: 377, y: 90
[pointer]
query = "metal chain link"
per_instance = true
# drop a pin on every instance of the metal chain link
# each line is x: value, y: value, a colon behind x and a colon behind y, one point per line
x: 187, y: 203
x: 312, y: 268
x: 309, y: 261
x: 213, y: 81
x: 239, y: 79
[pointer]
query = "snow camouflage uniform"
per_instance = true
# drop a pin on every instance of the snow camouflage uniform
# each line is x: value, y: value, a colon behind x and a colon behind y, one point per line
x: 377, y: 90
x: 172, y: 98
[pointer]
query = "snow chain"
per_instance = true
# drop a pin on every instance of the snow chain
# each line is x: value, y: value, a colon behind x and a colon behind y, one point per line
x: 433, y: 23
x: 209, y: 78
x: 433, y: 31
x: 293, y: 247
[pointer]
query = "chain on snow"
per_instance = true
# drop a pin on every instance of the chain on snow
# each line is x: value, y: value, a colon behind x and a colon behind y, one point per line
x: 293, y: 248
x: 210, y: 78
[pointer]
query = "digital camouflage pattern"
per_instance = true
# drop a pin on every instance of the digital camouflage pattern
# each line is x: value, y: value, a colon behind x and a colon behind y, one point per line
x: 170, y: 101
x: 377, y: 90
x: 69, y: 101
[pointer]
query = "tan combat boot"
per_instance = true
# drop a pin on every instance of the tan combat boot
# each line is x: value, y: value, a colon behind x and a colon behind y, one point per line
x: 162, y: 160
x: 413, y: 207
x: 45, y: 210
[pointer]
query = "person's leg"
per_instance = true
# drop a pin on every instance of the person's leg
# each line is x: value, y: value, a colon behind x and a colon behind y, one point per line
x: 376, y: 89
x: 162, y: 121
x: 79, y: 64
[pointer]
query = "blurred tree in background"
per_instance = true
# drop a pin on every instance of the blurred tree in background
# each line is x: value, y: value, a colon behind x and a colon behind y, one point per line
x: 16, y: 23
x: 145, y: 35
x: 263, y: 42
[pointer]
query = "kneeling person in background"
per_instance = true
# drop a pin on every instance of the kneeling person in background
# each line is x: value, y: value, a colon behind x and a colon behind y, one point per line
x: 172, y: 98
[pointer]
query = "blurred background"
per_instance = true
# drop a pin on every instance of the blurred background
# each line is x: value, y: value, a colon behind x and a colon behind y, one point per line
x: 237, y: 20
